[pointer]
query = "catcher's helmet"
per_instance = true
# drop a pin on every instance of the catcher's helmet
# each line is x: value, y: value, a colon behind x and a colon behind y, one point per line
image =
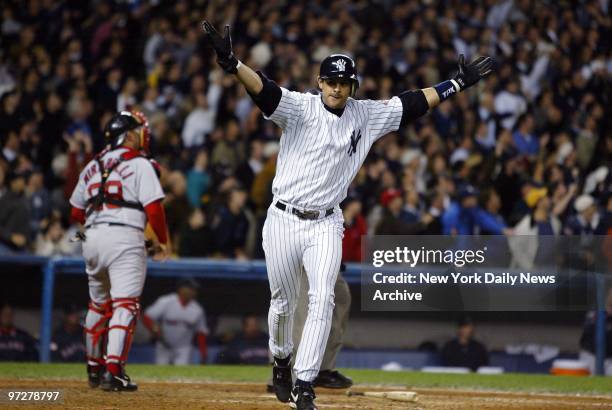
x: 118, y: 126
x: 339, y: 66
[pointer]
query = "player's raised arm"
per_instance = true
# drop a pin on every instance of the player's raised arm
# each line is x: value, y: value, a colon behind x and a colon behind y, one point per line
x: 265, y: 93
x: 467, y: 75
x: 228, y: 61
x: 416, y: 103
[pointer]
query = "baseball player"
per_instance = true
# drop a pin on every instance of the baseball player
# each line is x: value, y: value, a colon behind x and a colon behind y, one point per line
x: 325, y: 139
x: 174, y: 320
x: 117, y: 193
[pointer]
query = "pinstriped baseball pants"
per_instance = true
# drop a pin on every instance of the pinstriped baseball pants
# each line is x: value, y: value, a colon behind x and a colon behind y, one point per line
x: 290, y: 243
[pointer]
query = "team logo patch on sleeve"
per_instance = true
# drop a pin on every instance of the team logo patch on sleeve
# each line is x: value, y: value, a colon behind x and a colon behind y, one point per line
x: 354, y: 140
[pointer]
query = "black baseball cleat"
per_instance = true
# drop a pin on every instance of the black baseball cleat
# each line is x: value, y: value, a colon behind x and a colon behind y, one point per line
x: 281, y: 379
x: 110, y: 382
x: 94, y: 374
x: 302, y: 398
x: 332, y: 379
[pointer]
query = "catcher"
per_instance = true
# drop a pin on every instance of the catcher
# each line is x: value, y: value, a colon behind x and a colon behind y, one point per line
x: 117, y: 193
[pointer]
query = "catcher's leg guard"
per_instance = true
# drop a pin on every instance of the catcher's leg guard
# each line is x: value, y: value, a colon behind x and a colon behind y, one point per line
x: 96, y: 326
x: 120, y: 332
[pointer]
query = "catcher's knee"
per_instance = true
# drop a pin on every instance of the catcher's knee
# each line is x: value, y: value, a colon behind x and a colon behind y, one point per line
x: 97, y: 316
x: 125, y: 308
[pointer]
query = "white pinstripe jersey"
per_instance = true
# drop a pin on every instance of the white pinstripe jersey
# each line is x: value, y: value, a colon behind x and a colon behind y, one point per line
x: 320, y: 153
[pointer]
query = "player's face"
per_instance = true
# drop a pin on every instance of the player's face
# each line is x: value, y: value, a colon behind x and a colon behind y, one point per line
x: 6, y: 317
x: 335, y: 92
x: 187, y: 294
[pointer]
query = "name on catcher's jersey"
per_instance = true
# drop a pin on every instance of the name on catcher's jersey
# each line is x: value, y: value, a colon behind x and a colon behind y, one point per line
x: 178, y: 322
x: 320, y: 153
x: 133, y: 180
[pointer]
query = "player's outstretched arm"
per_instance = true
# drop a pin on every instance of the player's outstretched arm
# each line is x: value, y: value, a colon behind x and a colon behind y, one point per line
x: 467, y: 76
x: 228, y: 61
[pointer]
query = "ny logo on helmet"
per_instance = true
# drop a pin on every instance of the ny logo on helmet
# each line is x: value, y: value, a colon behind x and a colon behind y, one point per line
x: 340, y: 64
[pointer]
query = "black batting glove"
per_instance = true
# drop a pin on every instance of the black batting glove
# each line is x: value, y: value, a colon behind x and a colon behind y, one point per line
x: 470, y: 74
x: 222, y: 46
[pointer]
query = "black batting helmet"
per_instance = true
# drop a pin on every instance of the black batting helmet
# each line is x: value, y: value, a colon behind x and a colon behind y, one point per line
x: 339, y: 66
x: 118, y: 126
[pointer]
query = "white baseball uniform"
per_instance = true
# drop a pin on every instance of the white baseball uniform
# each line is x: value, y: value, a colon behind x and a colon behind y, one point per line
x: 320, y: 154
x: 114, y: 249
x: 178, y: 324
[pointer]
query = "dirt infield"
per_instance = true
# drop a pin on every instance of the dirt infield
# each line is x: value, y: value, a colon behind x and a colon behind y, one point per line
x: 228, y: 396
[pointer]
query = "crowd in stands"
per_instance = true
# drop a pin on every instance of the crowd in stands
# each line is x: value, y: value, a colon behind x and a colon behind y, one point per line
x: 528, y: 151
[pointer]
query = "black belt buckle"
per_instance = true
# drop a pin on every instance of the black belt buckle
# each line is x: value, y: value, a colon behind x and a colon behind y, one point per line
x: 310, y: 215
x: 305, y: 214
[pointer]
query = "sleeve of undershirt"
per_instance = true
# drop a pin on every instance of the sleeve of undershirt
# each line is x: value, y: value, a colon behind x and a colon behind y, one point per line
x: 269, y: 97
x: 414, y: 105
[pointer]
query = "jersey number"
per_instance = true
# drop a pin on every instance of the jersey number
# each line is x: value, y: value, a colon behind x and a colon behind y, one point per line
x: 112, y: 189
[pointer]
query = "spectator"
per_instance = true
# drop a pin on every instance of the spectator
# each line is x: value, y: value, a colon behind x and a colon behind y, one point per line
x: 524, y: 139
x: 231, y: 226
x: 16, y: 345
x: 391, y: 224
x: 411, y: 211
x: 175, y: 320
x: 391, y: 203
x: 127, y: 97
x: 198, y: 179
x: 50, y: 128
x: 197, y: 239
x: 462, y: 217
x: 528, y: 250
x: 11, y: 147
x: 587, y: 221
x: 436, y: 209
x: 354, y: 228
x: 14, y: 213
x: 249, y: 347
x: 80, y: 152
x: 201, y: 120
x: 510, y: 104
x: 261, y: 190
x: 67, y: 342
x: 248, y: 170
x: 54, y: 241
x: 228, y: 152
x: 176, y: 204
x: 40, y: 202
x: 464, y: 350
x: 490, y: 204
